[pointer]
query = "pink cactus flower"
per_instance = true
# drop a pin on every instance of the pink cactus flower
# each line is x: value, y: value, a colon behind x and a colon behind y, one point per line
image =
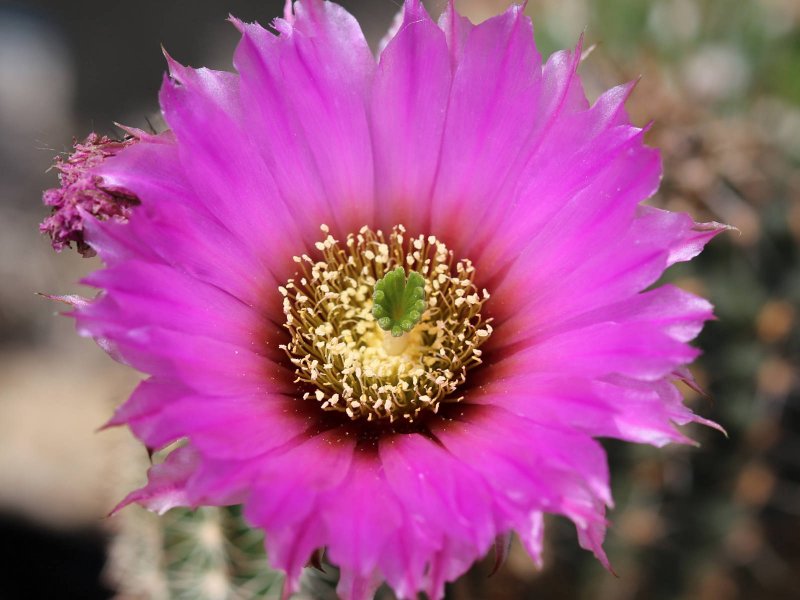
x: 404, y: 420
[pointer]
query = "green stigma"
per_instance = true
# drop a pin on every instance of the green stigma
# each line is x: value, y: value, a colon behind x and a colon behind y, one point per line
x: 399, y: 302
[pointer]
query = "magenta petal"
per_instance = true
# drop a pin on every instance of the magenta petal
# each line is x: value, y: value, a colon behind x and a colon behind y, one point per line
x: 221, y: 368
x: 261, y: 424
x: 694, y: 240
x: 594, y: 220
x: 597, y: 350
x: 590, y: 537
x: 678, y: 314
x: 431, y: 482
x: 358, y: 543
x: 445, y: 506
x: 166, y: 486
x: 674, y: 311
x: 618, y: 407
x: 409, y: 105
x: 532, y: 537
x: 531, y: 467
x: 160, y: 412
x: 79, y: 302
x: 456, y: 29
x: 488, y: 123
x: 545, y: 170
x: 288, y: 498
x: 446, y: 566
x: 356, y: 587
x: 173, y: 228
x: 155, y: 294
x: 310, y: 126
x: 229, y: 179
x: 149, y: 397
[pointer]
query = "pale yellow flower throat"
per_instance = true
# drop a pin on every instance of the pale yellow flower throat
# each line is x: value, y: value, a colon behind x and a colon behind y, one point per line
x: 350, y: 363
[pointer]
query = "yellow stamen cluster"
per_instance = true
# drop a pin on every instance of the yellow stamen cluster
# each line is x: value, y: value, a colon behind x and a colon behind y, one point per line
x: 337, y: 346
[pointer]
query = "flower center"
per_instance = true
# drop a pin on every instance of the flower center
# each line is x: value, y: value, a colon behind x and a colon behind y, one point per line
x: 373, y: 343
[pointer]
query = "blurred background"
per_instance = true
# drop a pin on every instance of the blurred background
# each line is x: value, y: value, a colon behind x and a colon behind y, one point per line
x: 720, y: 80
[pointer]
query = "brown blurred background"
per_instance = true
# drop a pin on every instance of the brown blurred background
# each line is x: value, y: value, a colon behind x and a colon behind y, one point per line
x: 721, y: 80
